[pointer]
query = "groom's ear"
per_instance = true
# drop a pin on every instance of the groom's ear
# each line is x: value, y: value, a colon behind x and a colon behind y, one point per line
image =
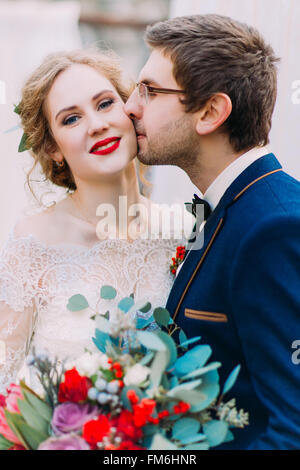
x: 213, y: 114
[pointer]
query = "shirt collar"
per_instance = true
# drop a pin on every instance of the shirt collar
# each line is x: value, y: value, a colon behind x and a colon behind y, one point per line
x: 218, y: 187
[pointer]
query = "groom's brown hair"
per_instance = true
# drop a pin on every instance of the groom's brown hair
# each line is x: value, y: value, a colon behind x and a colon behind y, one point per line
x: 216, y: 54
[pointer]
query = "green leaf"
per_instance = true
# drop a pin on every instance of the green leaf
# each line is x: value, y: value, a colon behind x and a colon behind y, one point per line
x: 192, y: 439
x: 188, y: 342
x: 229, y: 437
x: 146, y: 359
x: 101, y: 340
x: 158, y: 367
x: 182, y: 337
x: 32, y: 417
x: 108, y: 292
x: 42, y: 408
x: 126, y: 304
x: 185, y: 427
x: 202, y: 446
x: 16, y: 109
x: 202, y: 370
x: 215, y: 431
x: 183, y: 387
x: 32, y: 436
x: 151, y: 341
x: 231, y: 379
x: 146, y: 308
x: 5, y: 444
x: 192, y: 359
x: 210, y: 392
x: 77, y: 302
x: 193, y: 397
x: 124, y: 398
x: 159, y: 442
x: 170, y: 344
x: 161, y: 316
x: 23, y: 145
x: 142, y: 323
x: 14, y: 420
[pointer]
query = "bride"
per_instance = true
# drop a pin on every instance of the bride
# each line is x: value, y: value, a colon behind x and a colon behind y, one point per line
x: 72, y: 114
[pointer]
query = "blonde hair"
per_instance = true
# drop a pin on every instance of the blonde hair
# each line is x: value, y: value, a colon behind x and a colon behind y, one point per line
x: 32, y: 107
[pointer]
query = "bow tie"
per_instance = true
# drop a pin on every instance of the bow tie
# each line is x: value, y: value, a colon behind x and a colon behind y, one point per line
x: 191, y: 207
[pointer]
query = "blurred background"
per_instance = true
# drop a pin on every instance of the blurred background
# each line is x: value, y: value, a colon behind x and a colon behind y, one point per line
x: 31, y: 29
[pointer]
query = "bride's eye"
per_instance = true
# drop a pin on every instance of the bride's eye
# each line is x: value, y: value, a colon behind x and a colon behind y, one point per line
x: 105, y: 103
x: 69, y: 120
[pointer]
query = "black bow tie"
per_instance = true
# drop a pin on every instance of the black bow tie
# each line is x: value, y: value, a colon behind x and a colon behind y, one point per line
x: 192, y: 206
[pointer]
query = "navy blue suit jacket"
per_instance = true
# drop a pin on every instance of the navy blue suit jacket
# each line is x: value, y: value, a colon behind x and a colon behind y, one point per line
x: 241, y: 294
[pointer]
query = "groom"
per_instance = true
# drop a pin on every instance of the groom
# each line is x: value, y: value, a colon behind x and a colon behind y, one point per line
x: 204, y: 103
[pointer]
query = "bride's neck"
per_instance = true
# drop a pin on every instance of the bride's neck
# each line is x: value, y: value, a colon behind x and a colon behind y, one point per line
x: 117, y: 192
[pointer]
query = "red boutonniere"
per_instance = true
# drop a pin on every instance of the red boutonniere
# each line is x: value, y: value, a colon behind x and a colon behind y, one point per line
x: 178, y: 259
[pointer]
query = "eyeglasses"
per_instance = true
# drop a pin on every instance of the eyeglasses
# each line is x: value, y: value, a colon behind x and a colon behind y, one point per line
x: 146, y: 90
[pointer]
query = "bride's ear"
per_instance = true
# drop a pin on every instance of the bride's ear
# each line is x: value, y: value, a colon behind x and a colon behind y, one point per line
x: 54, y: 153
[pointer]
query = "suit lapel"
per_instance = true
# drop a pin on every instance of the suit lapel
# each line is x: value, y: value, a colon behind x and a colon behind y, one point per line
x: 261, y: 168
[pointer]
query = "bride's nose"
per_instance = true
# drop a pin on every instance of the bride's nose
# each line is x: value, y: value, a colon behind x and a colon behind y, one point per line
x: 97, y: 124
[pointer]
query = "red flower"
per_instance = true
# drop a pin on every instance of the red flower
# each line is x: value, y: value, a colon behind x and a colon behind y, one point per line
x: 181, y: 407
x: 2, y: 401
x: 129, y: 445
x: 125, y: 426
x: 74, y: 388
x: 143, y: 411
x: 94, y: 430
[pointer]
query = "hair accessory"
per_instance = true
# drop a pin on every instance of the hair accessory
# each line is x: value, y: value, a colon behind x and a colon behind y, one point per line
x: 60, y: 164
x: 23, y: 145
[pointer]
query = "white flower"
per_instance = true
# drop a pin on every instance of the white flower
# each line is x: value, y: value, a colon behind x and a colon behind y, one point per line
x: 136, y: 375
x: 88, y: 364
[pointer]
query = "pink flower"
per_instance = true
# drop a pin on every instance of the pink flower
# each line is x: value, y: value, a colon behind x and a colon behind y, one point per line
x: 5, y: 429
x: 14, y: 392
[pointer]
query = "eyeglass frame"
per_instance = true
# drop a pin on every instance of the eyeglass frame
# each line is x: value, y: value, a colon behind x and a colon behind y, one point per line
x: 151, y: 89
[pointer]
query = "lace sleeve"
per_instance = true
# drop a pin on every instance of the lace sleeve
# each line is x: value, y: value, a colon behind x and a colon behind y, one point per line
x: 16, y: 308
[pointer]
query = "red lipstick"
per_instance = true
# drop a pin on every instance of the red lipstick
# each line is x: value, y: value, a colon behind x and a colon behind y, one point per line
x: 104, y: 142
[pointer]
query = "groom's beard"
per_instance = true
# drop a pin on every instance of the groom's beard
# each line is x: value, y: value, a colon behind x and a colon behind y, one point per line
x: 177, y: 143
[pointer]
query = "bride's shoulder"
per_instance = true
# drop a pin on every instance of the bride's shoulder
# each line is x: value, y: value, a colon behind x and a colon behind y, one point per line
x: 43, y: 225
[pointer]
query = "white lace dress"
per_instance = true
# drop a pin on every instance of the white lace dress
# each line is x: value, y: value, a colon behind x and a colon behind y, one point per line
x: 36, y: 281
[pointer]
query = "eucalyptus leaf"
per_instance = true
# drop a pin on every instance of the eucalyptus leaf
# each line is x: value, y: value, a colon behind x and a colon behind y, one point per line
x: 185, y: 386
x: 159, y: 442
x: 182, y: 337
x: 143, y: 323
x: 151, y: 341
x: 170, y: 344
x: 229, y: 437
x: 185, y: 427
x: 201, y: 446
x: 108, y: 292
x: 193, y: 397
x: 188, y: 342
x: 215, y: 432
x: 161, y: 316
x: 101, y: 340
x: 126, y: 304
x: 158, y: 367
x: 231, y: 379
x: 210, y: 392
x: 146, y: 359
x: 146, y: 308
x: 193, y: 439
x: 192, y: 360
x: 202, y: 370
x: 77, y: 302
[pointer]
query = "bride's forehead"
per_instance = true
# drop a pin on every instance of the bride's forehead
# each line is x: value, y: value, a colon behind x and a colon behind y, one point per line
x: 77, y: 82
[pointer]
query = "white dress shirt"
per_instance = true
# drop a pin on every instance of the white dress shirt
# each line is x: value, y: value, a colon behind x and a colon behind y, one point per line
x: 218, y: 187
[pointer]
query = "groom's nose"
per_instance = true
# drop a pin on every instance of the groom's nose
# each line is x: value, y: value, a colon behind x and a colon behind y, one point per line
x: 133, y: 107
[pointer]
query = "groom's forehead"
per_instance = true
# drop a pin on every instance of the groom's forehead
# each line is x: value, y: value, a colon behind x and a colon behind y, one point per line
x: 158, y: 71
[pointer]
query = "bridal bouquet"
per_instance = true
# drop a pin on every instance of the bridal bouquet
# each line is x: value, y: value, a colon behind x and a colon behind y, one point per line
x: 139, y: 390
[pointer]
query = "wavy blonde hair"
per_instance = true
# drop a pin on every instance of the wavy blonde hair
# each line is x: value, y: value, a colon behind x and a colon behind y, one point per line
x: 33, y: 113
